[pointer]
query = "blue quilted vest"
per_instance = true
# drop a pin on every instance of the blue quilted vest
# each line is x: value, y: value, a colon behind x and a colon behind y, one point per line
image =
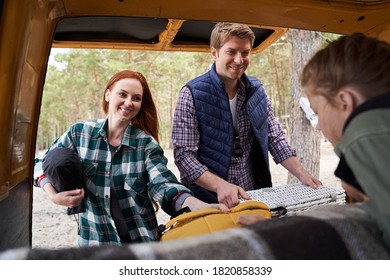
x: 216, y: 124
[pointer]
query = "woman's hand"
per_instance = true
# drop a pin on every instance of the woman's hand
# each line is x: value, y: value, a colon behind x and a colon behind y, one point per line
x: 68, y: 199
x: 195, y: 204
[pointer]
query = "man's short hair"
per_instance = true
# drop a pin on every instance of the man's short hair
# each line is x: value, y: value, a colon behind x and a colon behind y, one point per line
x: 224, y: 30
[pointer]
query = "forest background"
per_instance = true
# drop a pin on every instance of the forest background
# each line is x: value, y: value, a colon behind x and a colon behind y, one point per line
x: 76, y: 78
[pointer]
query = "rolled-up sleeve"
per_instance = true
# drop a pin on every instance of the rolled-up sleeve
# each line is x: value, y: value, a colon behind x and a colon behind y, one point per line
x: 185, y: 139
x: 162, y: 183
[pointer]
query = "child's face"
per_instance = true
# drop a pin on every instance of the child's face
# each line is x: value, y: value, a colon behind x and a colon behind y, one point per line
x: 333, y: 113
x: 331, y: 117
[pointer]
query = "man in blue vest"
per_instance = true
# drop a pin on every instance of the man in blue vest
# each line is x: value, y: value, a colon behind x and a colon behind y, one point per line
x: 224, y: 126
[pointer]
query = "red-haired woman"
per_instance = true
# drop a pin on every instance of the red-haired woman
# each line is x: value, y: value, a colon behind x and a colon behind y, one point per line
x: 124, y: 168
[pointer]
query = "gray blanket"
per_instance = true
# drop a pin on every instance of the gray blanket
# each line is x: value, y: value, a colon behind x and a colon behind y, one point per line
x: 331, y: 232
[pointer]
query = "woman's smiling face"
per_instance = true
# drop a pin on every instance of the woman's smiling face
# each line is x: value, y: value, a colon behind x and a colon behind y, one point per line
x: 125, y: 99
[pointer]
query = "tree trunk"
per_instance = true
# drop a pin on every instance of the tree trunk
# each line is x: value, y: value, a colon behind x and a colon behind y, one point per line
x: 304, y: 138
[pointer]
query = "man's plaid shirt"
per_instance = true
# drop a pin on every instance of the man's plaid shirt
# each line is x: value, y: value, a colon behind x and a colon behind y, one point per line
x: 185, y: 139
x: 137, y: 171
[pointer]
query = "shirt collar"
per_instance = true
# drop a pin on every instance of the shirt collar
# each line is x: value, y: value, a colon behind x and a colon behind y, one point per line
x: 379, y: 102
x: 127, y: 139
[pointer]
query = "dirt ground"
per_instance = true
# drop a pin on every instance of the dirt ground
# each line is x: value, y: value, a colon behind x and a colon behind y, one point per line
x: 52, y: 228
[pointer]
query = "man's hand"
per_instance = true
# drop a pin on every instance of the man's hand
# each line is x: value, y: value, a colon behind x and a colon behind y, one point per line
x: 227, y: 193
x: 230, y: 194
x: 293, y: 165
x: 309, y: 180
